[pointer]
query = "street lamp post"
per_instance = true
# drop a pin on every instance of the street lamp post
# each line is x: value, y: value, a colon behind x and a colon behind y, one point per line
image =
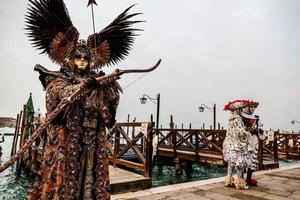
x: 156, y: 101
x: 211, y: 109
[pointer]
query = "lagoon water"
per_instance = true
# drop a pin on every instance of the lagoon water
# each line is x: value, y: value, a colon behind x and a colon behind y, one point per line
x: 10, y: 187
x: 13, y: 189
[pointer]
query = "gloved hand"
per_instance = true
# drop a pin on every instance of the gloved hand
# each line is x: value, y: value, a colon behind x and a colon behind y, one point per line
x: 90, y: 83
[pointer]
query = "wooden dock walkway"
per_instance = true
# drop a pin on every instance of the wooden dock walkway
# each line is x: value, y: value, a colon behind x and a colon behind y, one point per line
x: 275, y: 184
x: 211, y: 158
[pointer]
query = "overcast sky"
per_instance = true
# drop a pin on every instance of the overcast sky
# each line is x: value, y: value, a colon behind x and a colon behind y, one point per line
x: 213, y: 51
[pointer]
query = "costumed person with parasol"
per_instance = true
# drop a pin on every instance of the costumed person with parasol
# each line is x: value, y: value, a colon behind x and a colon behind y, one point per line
x: 81, y: 101
x: 240, y: 146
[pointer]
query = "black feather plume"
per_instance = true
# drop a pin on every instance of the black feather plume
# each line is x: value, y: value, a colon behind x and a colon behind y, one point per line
x: 119, y: 35
x: 44, y: 20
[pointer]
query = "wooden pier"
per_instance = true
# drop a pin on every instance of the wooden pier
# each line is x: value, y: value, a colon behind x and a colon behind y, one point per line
x: 205, y: 146
x: 134, y: 147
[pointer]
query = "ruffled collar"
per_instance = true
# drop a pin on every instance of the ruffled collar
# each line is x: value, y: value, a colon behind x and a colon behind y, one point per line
x: 245, y: 115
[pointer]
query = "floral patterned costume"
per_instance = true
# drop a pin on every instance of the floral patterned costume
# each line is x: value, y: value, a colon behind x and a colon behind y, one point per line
x: 235, y: 148
x: 239, y: 146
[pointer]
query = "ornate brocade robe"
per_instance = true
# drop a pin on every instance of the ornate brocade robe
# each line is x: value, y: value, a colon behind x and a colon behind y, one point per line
x: 75, y: 164
x: 236, y: 143
x: 240, y: 146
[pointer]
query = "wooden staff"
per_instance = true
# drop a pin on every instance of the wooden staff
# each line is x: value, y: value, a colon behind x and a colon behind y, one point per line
x: 66, y: 101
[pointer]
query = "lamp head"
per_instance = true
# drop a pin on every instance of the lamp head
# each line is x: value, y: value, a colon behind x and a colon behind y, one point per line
x: 201, y: 109
x: 143, y: 100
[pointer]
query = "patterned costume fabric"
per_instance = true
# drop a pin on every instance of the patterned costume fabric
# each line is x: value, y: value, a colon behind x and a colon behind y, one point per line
x: 75, y: 162
x: 75, y: 157
x: 235, y: 145
x: 255, y: 128
x: 240, y: 146
x: 241, y: 143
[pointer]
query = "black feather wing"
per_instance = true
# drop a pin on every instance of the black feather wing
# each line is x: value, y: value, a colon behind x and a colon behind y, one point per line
x: 44, y: 20
x: 119, y: 35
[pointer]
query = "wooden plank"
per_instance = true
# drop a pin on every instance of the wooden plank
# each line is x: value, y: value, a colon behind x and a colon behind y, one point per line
x: 269, y: 164
x: 127, y: 163
x: 188, y: 155
x: 122, y: 181
x: 129, y: 124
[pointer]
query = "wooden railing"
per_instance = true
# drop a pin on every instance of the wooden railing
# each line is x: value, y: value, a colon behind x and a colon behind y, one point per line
x: 192, y: 140
x: 199, y: 145
x: 134, y: 138
x: 279, y: 145
x: 267, y: 150
x: 288, y: 145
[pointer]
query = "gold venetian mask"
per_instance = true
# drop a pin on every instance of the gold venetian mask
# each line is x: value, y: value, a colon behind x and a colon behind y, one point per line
x: 81, y: 61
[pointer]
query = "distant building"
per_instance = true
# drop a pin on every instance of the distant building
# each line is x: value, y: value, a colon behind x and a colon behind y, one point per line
x: 7, y: 122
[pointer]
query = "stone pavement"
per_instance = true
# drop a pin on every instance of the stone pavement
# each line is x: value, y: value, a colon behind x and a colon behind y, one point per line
x: 276, y: 184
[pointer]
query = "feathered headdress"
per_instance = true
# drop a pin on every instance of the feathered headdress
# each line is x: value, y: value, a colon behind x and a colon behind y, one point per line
x: 51, y: 30
x: 237, y: 104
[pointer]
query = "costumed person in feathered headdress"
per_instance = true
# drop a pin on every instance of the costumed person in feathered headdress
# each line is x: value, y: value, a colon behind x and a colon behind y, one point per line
x: 241, y: 142
x: 75, y: 164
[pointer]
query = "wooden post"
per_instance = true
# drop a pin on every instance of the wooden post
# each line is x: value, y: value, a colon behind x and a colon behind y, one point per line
x: 127, y: 130
x: 149, y: 151
x: 14, y: 138
x: 18, y: 132
x: 117, y: 144
x: 191, y: 138
x: 155, y: 132
x: 294, y: 142
x: 173, y: 133
x: 260, y: 155
x: 189, y: 168
x: 197, y: 146
x: 286, y: 147
x: 133, y: 129
x: 178, y: 168
x: 171, y: 122
x: 275, y: 147
x: 22, y: 139
x: 174, y: 142
x: 34, y: 166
